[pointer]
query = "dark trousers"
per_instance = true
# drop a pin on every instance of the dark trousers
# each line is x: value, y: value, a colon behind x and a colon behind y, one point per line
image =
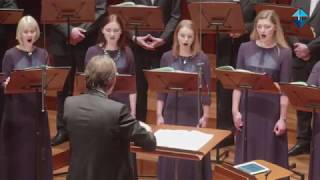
x: 301, y: 71
x: 227, y: 49
x: 75, y: 60
x: 145, y: 59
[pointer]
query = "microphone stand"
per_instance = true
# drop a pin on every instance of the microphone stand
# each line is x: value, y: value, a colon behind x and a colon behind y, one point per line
x: 199, y: 88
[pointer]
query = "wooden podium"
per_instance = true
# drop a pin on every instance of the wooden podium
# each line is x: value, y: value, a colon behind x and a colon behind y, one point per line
x: 62, y: 159
x: 219, y: 135
x: 228, y: 172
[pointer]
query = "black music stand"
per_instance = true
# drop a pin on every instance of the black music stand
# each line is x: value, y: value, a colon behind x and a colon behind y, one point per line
x: 285, y: 13
x: 39, y: 80
x: 246, y: 81
x: 125, y: 83
x: 10, y: 16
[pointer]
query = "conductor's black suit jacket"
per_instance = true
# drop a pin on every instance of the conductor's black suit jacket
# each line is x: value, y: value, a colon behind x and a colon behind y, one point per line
x: 100, y: 131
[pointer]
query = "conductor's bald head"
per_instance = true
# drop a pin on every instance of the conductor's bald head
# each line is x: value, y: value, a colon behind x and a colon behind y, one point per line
x: 100, y: 73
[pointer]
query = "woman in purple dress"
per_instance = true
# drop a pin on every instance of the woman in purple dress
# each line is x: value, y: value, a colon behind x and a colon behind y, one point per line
x: 22, y: 113
x: 185, y: 56
x: 114, y: 45
x: 267, y: 52
x: 314, y: 173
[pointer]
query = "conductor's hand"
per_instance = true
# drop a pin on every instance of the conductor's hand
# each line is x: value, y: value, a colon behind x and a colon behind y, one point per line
x: 302, y: 51
x: 237, y: 120
x: 77, y: 35
x: 280, y: 127
x: 146, y: 126
x: 144, y: 42
x: 5, y: 83
x: 203, y: 122
x: 160, y: 120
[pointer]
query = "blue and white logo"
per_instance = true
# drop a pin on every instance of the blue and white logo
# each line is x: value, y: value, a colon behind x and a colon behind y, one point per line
x: 300, y: 18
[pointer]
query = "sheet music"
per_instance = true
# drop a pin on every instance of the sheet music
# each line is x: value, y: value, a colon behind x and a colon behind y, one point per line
x: 182, y: 139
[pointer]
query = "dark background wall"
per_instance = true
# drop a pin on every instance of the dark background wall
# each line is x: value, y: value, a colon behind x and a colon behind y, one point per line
x: 33, y: 7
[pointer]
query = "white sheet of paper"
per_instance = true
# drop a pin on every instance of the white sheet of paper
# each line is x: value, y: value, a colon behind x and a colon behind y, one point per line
x: 182, y: 139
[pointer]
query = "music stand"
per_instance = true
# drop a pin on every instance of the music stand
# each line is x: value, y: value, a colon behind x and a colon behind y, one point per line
x: 227, y: 17
x: 37, y: 80
x: 10, y: 16
x: 246, y: 81
x: 305, y: 98
x: 61, y: 11
x: 125, y: 83
x: 136, y: 17
x: 139, y: 17
x: 67, y: 11
x: 285, y: 13
x: 176, y: 82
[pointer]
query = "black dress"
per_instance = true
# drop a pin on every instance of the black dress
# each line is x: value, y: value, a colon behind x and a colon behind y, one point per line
x: 21, y: 115
x: 187, y: 115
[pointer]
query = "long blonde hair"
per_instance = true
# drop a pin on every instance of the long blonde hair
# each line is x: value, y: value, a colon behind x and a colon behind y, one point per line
x: 195, y: 46
x: 273, y: 17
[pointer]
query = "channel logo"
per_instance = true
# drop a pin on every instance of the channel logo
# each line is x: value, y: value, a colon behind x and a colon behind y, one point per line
x: 300, y: 18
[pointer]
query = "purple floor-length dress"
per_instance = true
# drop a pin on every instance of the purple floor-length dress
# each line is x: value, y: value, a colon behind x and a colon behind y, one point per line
x: 21, y: 115
x: 263, y: 108
x: 169, y: 168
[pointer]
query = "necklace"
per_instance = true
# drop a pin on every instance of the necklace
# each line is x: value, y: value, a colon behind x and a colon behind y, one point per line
x: 185, y: 59
x: 29, y: 52
x: 115, y: 55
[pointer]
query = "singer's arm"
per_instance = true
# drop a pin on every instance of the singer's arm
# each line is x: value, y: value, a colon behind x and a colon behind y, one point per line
x: 237, y: 117
x: 203, y: 121
x: 160, y: 119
